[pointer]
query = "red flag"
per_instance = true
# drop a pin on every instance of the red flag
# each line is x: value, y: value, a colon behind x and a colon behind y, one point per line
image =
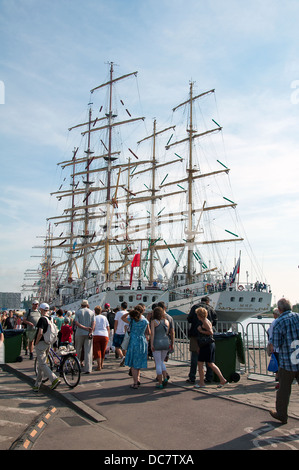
x: 135, y: 263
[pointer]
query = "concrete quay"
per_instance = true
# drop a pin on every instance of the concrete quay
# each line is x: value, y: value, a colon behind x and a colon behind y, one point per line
x: 147, y: 418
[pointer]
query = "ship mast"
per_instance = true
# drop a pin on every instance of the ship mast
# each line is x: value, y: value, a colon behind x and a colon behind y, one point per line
x: 190, y: 237
x: 153, y: 197
x: 153, y: 191
x: 108, y: 159
x: 70, y: 261
x: 107, y: 205
x: 88, y: 184
x: 190, y: 230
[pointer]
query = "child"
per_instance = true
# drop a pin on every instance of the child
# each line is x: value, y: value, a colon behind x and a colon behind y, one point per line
x: 66, y: 332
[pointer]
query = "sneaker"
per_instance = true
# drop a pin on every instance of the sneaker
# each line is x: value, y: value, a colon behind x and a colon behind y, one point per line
x: 35, y: 388
x: 55, y: 383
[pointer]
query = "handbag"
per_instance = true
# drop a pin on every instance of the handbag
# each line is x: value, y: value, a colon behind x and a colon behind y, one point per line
x: 273, y: 364
x: 126, y: 340
x: 204, y: 340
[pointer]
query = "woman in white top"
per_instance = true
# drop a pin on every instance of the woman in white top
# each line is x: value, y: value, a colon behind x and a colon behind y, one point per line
x: 100, y: 337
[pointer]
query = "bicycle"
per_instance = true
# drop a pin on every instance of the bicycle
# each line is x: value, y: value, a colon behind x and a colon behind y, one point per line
x: 67, y: 365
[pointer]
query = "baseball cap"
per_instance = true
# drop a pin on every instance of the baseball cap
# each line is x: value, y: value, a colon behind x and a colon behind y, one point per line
x: 44, y: 306
x: 107, y: 305
x: 35, y: 302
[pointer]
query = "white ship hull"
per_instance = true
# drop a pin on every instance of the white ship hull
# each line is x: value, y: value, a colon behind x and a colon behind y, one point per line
x: 230, y: 305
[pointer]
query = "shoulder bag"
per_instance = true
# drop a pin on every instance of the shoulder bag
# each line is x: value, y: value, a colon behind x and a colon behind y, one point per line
x: 204, y: 340
x: 126, y: 340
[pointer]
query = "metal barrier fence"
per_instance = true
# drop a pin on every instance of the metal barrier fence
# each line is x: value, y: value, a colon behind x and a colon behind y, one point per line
x: 254, y: 337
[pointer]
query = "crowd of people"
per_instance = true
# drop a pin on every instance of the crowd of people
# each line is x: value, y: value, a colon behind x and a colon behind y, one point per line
x: 95, y: 333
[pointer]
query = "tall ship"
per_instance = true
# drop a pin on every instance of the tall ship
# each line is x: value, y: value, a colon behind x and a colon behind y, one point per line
x: 145, y: 219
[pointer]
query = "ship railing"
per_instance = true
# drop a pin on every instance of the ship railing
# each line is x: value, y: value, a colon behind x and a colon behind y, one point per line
x: 211, y: 288
x: 254, y: 337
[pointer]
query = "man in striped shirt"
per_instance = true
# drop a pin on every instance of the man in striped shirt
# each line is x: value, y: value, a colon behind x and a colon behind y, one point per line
x: 285, y: 336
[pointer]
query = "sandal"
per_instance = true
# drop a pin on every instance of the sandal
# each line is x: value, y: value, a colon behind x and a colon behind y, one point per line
x: 135, y: 387
x: 222, y: 385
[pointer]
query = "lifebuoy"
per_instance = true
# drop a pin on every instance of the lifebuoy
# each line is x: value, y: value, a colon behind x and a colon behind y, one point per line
x: 138, y: 297
x: 240, y: 288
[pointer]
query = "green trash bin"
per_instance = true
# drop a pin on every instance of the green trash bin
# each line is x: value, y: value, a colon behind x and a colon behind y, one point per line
x: 12, y: 345
x: 227, y: 347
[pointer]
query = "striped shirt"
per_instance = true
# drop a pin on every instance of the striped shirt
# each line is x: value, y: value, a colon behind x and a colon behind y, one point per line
x: 285, y: 336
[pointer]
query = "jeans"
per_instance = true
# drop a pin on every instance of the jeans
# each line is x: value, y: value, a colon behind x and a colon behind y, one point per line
x: 43, y: 371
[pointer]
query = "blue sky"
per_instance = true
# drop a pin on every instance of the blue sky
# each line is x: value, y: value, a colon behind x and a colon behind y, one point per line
x: 54, y: 52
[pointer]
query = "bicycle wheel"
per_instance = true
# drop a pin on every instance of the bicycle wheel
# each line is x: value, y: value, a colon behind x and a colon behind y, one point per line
x: 71, y: 370
x: 50, y: 364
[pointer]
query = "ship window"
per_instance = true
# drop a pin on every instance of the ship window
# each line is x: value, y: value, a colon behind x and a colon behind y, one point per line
x: 154, y: 298
x: 131, y: 298
x: 232, y: 299
x: 241, y: 299
x: 144, y: 298
x: 260, y: 299
x: 252, y: 299
x: 121, y: 298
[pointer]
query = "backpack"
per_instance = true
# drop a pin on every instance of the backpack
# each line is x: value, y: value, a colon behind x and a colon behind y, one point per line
x: 50, y: 336
x: 110, y: 318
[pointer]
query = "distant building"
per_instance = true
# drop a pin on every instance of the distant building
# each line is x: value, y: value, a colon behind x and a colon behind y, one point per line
x: 10, y: 300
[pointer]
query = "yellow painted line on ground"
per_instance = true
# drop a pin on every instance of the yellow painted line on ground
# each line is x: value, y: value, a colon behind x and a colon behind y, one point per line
x: 26, y: 444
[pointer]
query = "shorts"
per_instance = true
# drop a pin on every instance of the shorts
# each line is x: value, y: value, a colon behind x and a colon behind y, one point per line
x: 30, y: 334
x: 117, y: 340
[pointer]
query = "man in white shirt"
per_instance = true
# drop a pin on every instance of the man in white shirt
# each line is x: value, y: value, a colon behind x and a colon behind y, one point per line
x: 119, y: 332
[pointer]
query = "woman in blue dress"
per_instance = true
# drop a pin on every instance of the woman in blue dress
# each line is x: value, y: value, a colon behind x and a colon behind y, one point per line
x: 136, y: 355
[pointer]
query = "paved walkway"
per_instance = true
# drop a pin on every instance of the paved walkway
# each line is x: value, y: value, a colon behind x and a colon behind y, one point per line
x: 256, y: 391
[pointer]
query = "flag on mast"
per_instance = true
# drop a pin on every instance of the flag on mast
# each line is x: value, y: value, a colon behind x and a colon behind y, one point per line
x: 236, y: 270
x: 135, y: 262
